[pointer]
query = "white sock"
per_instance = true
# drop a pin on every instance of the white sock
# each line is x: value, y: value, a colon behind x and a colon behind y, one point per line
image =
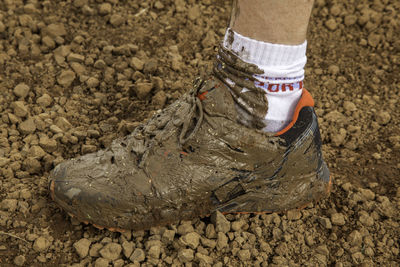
x: 283, y: 67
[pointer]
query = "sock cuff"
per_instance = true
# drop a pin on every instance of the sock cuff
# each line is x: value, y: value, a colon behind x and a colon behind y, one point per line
x: 263, y: 54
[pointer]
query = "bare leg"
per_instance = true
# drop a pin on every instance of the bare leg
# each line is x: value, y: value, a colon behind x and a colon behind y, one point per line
x: 272, y: 21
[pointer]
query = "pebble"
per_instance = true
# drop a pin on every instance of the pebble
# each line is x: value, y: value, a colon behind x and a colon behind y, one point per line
x: 349, y: 106
x: 325, y: 222
x: 94, y: 250
x: 186, y: 255
x: 293, y: 215
x: 355, y: 238
x: 136, y: 64
x: 82, y: 247
x: 27, y: 127
x: 9, y: 204
x: 191, y: 239
x: 127, y: 248
x: 19, y: 108
x: 237, y: 225
x: 101, y: 262
x: 222, y: 241
x: 92, y: 82
x: 383, y: 117
x: 331, y: 24
x: 204, y: 259
x: 105, y: 9
x: 111, y: 251
x: 66, y: 78
x: 244, y: 254
x: 41, y: 244
x: 142, y: 89
x: 337, y: 219
x: 150, y: 66
x: 19, y: 260
x: 21, y: 90
x: 44, y: 101
x: 138, y: 255
x: 159, y: 99
x: 374, y: 39
x: 116, y: 20
x: 350, y: 20
x: 73, y: 57
x: 220, y: 222
x: 154, y: 252
x: 49, y: 145
x: 168, y: 236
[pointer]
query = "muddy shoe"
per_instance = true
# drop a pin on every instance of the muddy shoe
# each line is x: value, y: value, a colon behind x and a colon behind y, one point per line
x: 205, y: 152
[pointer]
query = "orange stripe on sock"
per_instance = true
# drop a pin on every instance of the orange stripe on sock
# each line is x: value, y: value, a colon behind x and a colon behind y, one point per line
x: 306, y: 100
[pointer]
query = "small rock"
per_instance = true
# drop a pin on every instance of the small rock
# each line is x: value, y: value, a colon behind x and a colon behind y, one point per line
x: 154, y: 252
x: 49, y: 145
x: 100, y: 64
x: 138, y: 255
x: 244, y: 254
x: 19, y: 108
x: 323, y: 250
x: 194, y: 12
x: 168, y: 236
x: 338, y: 138
x: 191, y: 239
x: 209, y: 40
x: 349, y: 106
x: 383, y: 117
x: 41, y: 244
x: 185, y: 255
x: 44, y: 101
x: 105, y: 9
x: 9, y: 204
x: 111, y: 251
x: 21, y: 90
x: 366, y: 220
x: 19, y: 260
x: 237, y: 225
x: 66, y: 78
x: 204, y: 259
x: 101, y: 262
x: 293, y: 215
x: 150, y: 66
x: 325, y: 222
x: 350, y: 20
x: 92, y: 82
x: 72, y: 57
x: 159, y: 99
x: 78, y: 68
x: 55, y: 30
x: 136, y: 64
x: 331, y: 24
x: 338, y: 219
x: 4, y: 161
x: 116, y: 20
x: 94, y: 250
x: 374, y: 39
x: 368, y: 194
x: 63, y: 123
x: 127, y: 248
x: 82, y: 247
x: 142, y: 89
x: 355, y: 238
x: 36, y: 152
x: 222, y: 241
x: 220, y: 222
x: 27, y: 127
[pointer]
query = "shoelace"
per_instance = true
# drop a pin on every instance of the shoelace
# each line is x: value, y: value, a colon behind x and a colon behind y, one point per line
x: 146, y: 136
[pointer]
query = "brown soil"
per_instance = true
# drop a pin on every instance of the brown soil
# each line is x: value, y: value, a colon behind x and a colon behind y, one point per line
x: 76, y: 74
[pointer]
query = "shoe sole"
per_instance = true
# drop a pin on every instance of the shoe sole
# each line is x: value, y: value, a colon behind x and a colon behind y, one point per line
x: 324, y: 176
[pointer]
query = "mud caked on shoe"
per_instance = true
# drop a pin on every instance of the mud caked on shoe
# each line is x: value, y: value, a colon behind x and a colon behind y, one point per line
x: 203, y: 153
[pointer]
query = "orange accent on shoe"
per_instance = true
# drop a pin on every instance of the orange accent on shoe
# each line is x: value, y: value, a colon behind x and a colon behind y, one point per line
x: 202, y: 96
x: 184, y: 153
x: 306, y: 100
x: 52, y: 188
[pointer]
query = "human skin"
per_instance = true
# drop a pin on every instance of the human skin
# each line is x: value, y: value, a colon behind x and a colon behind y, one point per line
x: 272, y: 21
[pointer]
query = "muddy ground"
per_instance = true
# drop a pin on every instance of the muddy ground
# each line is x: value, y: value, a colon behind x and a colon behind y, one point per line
x: 76, y: 74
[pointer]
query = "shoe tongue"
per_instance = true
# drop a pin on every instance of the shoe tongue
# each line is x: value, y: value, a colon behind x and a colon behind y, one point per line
x: 217, y: 99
